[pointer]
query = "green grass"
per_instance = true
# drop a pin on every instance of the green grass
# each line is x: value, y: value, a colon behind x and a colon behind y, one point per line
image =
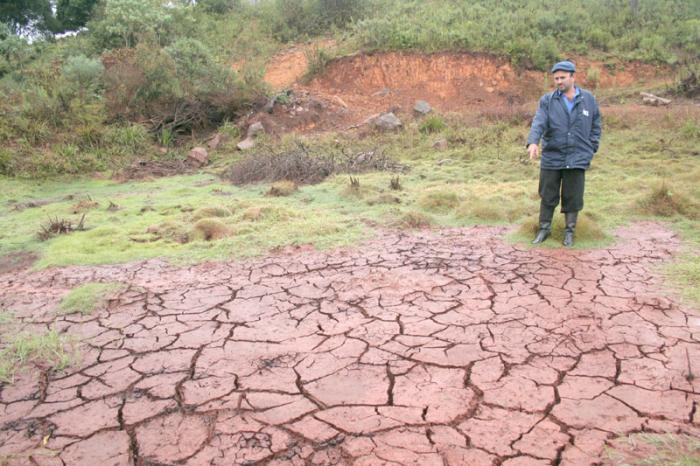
x: 656, y: 450
x: 482, y: 178
x: 48, y: 350
x: 87, y: 298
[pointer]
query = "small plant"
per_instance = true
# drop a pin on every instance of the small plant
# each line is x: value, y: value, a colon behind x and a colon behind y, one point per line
x: 395, y: 183
x: 432, y: 124
x: 317, y: 61
x: 87, y: 298
x: 354, y: 183
x: 166, y: 137
x: 59, y: 226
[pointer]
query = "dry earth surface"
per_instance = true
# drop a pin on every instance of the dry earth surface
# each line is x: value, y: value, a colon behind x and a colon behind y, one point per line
x: 436, y: 347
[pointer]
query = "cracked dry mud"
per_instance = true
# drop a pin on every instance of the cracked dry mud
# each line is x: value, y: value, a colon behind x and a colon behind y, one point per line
x: 447, y: 347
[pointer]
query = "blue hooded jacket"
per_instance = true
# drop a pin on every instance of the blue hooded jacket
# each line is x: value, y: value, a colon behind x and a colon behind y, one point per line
x: 569, y: 139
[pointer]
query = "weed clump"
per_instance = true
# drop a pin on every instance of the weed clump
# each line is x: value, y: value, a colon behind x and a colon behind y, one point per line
x: 87, y: 298
x: 210, y: 229
x: 438, y: 200
x: 170, y: 231
x: 59, y: 226
x: 282, y: 188
x: 432, y: 124
x: 414, y: 220
x: 662, y: 202
x: 210, y: 212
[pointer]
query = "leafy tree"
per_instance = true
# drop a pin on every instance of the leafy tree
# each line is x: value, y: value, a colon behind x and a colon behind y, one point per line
x: 21, y: 15
x: 123, y: 21
x: 71, y: 15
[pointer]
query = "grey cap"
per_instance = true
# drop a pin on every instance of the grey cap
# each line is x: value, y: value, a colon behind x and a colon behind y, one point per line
x: 565, y: 65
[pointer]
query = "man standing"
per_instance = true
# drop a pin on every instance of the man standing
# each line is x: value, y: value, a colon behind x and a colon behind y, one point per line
x: 568, y: 122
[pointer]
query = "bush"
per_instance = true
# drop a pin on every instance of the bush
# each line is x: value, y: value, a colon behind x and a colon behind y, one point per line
x: 432, y: 124
x: 178, y: 88
x: 122, y: 23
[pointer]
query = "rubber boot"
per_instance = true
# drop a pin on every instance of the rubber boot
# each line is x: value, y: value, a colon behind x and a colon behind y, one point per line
x: 570, y: 222
x: 545, y: 230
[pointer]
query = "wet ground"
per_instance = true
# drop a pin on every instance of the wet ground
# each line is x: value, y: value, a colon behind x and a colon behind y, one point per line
x: 448, y: 347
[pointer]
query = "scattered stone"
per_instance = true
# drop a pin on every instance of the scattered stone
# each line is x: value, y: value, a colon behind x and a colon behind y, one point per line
x: 249, y: 141
x: 444, y: 162
x: 440, y: 144
x: 254, y: 129
x: 215, y: 142
x: 422, y: 107
x: 387, y: 122
x: 198, y: 156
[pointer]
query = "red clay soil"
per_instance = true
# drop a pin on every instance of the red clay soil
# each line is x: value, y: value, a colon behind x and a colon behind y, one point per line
x: 448, y: 347
x: 355, y: 87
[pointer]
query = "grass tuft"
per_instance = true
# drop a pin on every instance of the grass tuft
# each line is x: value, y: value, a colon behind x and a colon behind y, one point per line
x: 414, y: 220
x: 210, y: 212
x: 88, y: 298
x: 48, y: 351
x: 438, y: 200
x: 664, y: 202
x: 210, y: 229
x: 655, y: 450
x: 587, y: 229
x: 282, y: 188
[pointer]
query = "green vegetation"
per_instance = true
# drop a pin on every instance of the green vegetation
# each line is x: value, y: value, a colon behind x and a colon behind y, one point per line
x: 656, y: 450
x: 145, y: 74
x: 87, y: 298
x: 48, y: 350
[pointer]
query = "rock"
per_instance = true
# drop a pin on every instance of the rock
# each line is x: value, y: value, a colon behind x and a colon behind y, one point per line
x: 387, y: 122
x: 270, y: 105
x: 247, y: 143
x: 422, y: 107
x: 254, y: 129
x: 198, y: 156
x: 440, y: 144
x: 340, y: 101
x: 444, y: 162
x: 214, y: 142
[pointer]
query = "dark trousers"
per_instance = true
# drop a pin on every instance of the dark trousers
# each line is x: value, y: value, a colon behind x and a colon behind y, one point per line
x: 569, y: 182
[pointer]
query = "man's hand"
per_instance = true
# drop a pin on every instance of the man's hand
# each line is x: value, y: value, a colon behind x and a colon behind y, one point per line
x: 533, y: 151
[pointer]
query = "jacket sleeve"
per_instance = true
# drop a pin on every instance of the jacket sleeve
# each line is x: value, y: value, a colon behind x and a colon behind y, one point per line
x: 539, y: 123
x: 596, y: 128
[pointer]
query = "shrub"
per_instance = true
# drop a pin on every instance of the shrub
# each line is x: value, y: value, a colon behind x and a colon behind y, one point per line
x: 432, y: 124
x: 124, y: 22
x: 179, y: 88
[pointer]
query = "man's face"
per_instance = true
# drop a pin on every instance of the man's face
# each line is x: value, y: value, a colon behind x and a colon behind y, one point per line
x: 564, y: 80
